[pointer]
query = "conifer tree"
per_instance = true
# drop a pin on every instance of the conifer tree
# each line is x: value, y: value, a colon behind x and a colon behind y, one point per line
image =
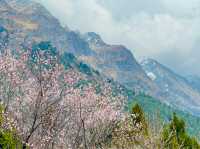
x: 138, y: 117
x: 175, y: 136
x: 132, y: 131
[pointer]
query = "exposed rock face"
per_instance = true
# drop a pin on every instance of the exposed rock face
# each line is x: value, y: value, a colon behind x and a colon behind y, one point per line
x: 29, y: 22
x: 175, y: 89
x: 117, y: 61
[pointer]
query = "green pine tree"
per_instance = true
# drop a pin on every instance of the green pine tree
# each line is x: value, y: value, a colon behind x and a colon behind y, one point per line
x: 175, y: 136
x: 138, y: 117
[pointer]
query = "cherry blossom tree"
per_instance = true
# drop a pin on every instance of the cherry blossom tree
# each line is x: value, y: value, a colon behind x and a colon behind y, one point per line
x: 48, y: 109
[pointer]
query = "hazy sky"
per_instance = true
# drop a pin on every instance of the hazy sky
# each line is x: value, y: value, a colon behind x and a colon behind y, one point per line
x: 167, y: 30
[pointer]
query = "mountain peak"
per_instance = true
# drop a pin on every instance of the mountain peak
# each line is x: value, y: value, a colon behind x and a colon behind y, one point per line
x: 93, y: 38
x: 148, y: 61
x: 175, y: 89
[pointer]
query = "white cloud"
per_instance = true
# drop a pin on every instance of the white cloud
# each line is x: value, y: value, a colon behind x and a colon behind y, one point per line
x: 169, y: 34
x: 182, y: 7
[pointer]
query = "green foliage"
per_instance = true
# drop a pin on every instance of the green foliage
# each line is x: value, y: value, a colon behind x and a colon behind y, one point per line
x: 174, y: 135
x: 8, y: 137
x: 68, y: 60
x: 128, y: 134
x: 46, y: 47
x: 82, y: 83
x: 152, y: 107
x: 9, y: 141
x: 4, y: 38
x: 2, y: 29
x: 85, y: 68
x: 138, y: 117
x: 43, y: 56
x: 1, y: 115
x: 132, y: 132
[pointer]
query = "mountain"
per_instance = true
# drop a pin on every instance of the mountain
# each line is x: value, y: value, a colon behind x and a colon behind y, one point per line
x: 175, y: 89
x: 117, y: 61
x: 28, y: 22
x: 24, y: 23
x: 194, y: 81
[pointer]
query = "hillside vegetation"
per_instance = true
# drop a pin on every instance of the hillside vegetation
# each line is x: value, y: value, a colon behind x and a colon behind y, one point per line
x: 157, y: 111
x: 51, y: 100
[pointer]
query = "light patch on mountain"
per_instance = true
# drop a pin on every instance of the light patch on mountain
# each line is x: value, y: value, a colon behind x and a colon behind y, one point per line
x: 174, y: 88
